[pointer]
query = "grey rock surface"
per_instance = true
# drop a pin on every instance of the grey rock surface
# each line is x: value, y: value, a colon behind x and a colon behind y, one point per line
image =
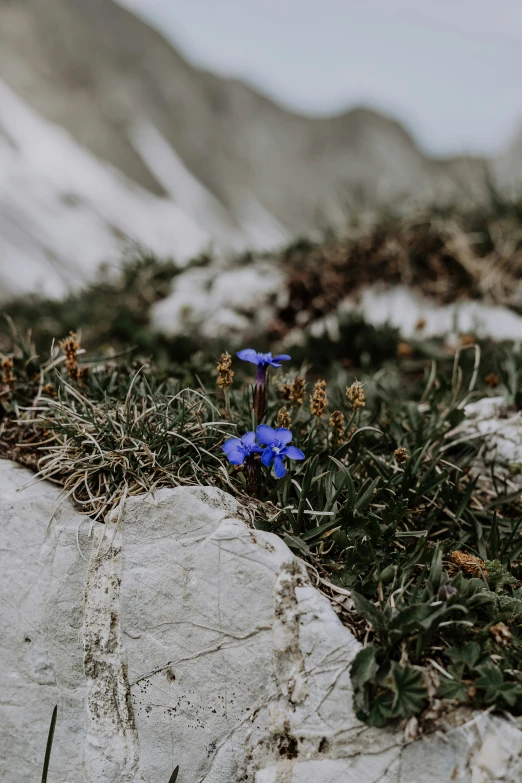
x: 41, y: 614
x: 176, y: 634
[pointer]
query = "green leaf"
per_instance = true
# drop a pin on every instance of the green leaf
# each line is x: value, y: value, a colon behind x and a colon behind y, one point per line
x: 453, y: 689
x: 350, y: 500
x: 468, y: 654
x: 296, y: 544
x: 493, y: 540
x: 435, y: 574
x: 319, y: 530
x: 365, y: 666
x: 496, y: 688
x: 409, y: 692
x: 370, y: 612
x: 365, y: 495
x: 381, y: 710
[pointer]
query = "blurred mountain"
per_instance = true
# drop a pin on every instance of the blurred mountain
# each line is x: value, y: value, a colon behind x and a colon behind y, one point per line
x: 108, y: 134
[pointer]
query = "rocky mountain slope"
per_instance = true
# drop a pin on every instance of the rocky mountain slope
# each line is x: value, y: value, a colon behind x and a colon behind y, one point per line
x: 107, y: 133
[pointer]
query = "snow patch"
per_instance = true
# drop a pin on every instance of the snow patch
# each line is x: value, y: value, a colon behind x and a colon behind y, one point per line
x: 63, y: 212
x: 403, y: 308
x: 221, y: 304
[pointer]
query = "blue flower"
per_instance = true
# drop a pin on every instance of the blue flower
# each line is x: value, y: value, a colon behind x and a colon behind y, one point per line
x: 276, y: 448
x: 238, y: 449
x: 262, y: 359
x: 263, y: 362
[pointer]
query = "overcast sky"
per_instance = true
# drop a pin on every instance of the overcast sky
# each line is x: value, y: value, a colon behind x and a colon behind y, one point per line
x: 450, y: 69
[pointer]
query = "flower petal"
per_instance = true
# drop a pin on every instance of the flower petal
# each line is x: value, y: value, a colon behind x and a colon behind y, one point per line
x: 248, y: 355
x: 283, y: 357
x: 279, y: 468
x: 232, y: 444
x: 266, y: 434
x: 268, y: 456
x: 292, y: 452
x: 283, y: 435
x: 236, y: 457
x: 248, y: 439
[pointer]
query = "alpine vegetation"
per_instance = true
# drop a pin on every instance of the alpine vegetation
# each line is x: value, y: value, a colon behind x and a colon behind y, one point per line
x: 372, y: 476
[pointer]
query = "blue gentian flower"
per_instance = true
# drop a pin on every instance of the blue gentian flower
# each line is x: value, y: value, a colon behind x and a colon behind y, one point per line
x: 263, y: 362
x: 262, y: 359
x: 238, y: 449
x: 276, y: 448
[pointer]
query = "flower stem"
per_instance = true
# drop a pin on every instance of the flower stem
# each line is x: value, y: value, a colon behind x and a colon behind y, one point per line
x: 260, y: 392
x: 252, y: 476
x: 227, y: 405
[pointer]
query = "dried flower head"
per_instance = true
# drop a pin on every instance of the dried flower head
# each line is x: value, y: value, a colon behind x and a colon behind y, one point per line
x: 224, y: 371
x: 82, y: 374
x: 356, y: 396
x: 337, y: 425
x: 500, y: 634
x: 492, y: 380
x: 283, y: 418
x: 404, y: 351
x: 420, y: 325
x: 294, y: 392
x: 49, y: 390
x: 469, y: 564
x: 401, y: 455
x: 318, y: 399
x: 70, y: 347
x: 8, y: 377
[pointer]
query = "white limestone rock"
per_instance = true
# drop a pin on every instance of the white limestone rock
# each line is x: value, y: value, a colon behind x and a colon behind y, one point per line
x: 189, y: 638
x: 42, y: 579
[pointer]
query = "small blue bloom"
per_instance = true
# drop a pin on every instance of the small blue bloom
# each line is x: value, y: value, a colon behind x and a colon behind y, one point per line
x: 276, y: 448
x: 238, y: 449
x: 262, y: 359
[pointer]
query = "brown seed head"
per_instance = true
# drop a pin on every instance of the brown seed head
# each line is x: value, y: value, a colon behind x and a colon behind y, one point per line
x: 8, y: 377
x: 318, y: 399
x: 283, y: 418
x: 421, y: 324
x: 356, y: 396
x: 225, y: 372
x: 70, y: 347
x: 500, y: 634
x: 401, y: 455
x: 294, y: 392
x: 337, y: 423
